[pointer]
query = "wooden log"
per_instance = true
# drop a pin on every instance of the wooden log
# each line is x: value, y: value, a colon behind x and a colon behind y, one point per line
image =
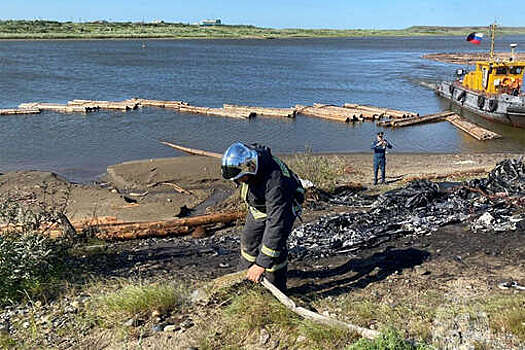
x: 472, y: 129
x: 263, y: 111
x: 324, y: 114
x: 221, y: 112
x: 134, y: 230
x: 15, y: 111
x: 350, y: 113
x: 420, y: 120
x: 157, y: 103
x: 119, y: 105
x: 194, y: 151
x: 56, y: 107
x: 387, y: 112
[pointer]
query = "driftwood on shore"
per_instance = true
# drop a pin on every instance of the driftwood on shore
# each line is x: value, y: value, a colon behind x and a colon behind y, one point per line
x: 193, y: 151
x: 109, y: 228
x: 135, y: 230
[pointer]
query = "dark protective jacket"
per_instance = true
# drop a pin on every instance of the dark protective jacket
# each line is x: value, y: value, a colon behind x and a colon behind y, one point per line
x: 379, y: 151
x: 272, y: 195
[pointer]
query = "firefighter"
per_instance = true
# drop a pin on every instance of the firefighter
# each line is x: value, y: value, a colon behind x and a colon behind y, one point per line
x: 379, y: 146
x: 273, y: 194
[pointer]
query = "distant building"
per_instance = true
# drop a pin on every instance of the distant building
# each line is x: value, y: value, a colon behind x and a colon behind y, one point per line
x: 210, y: 22
x: 158, y: 21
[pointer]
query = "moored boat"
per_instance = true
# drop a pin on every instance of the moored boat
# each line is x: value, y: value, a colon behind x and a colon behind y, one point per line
x: 493, y: 90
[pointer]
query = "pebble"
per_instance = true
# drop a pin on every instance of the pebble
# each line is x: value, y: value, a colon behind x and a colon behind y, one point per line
x: 129, y: 323
x: 300, y: 339
x: 224, y: 265
x: 170, y: 328
x: 264, y: 336
x: 157, y: 328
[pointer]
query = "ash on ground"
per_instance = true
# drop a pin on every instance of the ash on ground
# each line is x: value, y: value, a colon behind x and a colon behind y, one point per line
x: 491, y: 204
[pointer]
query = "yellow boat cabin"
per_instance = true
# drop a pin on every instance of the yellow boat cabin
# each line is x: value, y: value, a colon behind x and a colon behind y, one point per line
x: 496, y: 77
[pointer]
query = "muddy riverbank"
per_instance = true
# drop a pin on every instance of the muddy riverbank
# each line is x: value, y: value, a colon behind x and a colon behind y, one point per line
x: 150, y: 189
x: 442, y: 287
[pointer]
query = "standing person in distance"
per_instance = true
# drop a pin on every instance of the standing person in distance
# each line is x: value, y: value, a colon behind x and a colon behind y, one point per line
x: 274, y: 195
x: 379, y: 146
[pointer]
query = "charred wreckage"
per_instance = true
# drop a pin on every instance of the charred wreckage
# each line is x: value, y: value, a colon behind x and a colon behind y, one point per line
x: 491, y: 204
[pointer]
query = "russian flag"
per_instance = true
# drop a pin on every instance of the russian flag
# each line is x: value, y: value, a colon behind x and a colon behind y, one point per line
x: 475, y: 38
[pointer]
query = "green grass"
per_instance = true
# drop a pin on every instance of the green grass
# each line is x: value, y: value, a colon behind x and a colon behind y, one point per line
x: 414, y: 312
x: 138, y: 300
x: 507, y: 313
x: 390, y: 339
x: 240, y: 324
x: 42, y: 29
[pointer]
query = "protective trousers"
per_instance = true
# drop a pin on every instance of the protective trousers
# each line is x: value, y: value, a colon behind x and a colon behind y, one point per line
x: 251, y: 244
x: 379, y: 162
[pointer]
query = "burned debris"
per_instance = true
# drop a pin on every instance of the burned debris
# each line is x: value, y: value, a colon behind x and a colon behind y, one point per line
x: 495, y: 203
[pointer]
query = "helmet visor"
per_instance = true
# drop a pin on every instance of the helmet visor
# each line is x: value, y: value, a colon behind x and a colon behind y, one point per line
x: 239, y: 160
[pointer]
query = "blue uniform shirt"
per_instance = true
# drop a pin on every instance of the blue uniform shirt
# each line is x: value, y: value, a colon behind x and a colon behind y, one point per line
x: 379, y: 150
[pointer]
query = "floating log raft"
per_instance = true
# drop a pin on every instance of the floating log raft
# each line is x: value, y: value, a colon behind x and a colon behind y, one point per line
x: 472, y: 129
x: 13, y: 111
x: 263, y: 111
x: 219, y: 112
x: 328, y: 112
x: 417, y: 120
x: 193, y: 151
x: 118, y: 105
x: 380, y: 112
x: 56, y: 107
x: 157, y: 103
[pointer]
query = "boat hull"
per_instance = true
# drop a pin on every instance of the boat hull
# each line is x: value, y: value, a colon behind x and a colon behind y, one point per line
x: 506, y: 109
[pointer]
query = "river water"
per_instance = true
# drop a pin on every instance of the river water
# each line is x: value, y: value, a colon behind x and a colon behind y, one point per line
x: 280, y: 73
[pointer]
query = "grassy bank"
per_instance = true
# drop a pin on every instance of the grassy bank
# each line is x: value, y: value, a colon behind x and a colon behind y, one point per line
x: 41, y: 29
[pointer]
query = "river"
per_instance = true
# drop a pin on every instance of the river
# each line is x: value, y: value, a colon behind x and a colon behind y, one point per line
x: 280, y: 73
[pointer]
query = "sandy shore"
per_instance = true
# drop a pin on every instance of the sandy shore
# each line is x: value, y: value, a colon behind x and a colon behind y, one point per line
x: 144, y: 190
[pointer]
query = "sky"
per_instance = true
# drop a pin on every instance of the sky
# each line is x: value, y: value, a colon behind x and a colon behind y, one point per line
x: 337, y: 14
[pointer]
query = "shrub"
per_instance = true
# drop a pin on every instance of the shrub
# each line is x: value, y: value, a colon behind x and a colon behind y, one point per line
x: 30, y: 262
x: 322, y: 170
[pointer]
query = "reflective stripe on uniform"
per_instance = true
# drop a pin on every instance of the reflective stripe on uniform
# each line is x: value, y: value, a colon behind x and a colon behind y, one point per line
x: 257, y: 214
x: 270, y: 252
x: 247, y: 256
x: 277, y: 267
